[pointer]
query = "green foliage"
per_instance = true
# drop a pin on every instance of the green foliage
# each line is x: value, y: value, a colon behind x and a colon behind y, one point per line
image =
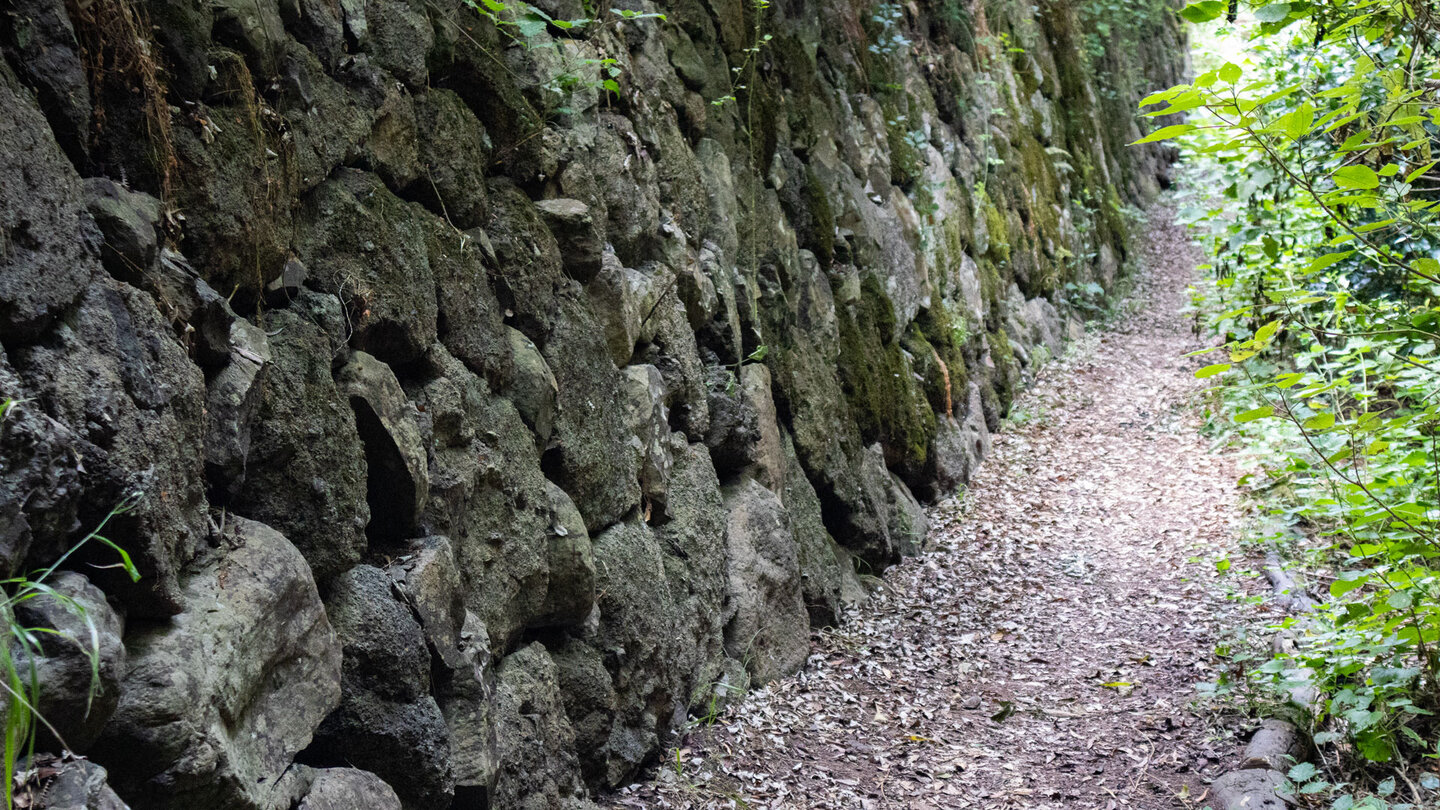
x: 890, y: 17
x: 23, y: 647
x: 1327, y: 301
x: 529, y: 27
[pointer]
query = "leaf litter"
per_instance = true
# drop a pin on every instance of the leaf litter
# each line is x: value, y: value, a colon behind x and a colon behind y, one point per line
x: 1043, y: 651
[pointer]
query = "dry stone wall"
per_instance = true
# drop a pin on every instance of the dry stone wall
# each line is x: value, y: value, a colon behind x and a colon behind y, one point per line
x: 490, y: 420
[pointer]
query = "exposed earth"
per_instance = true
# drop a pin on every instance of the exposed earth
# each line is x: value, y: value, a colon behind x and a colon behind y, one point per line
x: 1044, y: 651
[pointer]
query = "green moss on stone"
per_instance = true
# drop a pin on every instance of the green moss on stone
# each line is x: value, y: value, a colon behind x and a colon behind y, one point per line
x: 887, y: 402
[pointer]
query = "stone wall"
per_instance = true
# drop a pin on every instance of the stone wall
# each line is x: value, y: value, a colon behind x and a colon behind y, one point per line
x: 489, y: 419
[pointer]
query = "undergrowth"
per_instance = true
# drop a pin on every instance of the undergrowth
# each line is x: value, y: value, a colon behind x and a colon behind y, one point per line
x: 1312, y: 184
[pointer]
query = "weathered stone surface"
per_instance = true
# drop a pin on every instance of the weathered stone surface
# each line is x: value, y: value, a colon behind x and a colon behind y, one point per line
x: 127, y: 222
x: 428, y: 581
x: 828, y: 582
x: 578, y: 235
x: 532, y: 386
x: 470, y: 320
x: 233, y: 397
x: 642, y: 391
x: 64, y: 669
x: 50, y: 250
x: 489, y: 497
x: 387, y: 721
x: 454, y: 150
x: 305, y: 473
x: 77, y: 785
x: 766, y: 625
x: 348, y: 789
x: 218, y: 700
x: 535, y: 742
x: 367, y: 246
x: 40, y: 479
x: 1249, y: 790
x: 397, y: 468
x: 467, y: 701
x: 112, y: 374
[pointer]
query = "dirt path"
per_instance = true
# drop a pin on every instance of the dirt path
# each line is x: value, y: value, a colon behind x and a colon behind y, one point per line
x: 1043, y: 652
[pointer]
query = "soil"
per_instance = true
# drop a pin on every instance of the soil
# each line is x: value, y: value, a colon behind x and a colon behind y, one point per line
x: 1044, y: 651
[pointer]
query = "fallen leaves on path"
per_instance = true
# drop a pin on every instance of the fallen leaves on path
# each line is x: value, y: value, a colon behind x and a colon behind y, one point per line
x: 1043, y: 651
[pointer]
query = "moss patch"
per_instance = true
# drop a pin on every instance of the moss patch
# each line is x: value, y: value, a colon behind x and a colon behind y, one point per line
x: 886, y: 400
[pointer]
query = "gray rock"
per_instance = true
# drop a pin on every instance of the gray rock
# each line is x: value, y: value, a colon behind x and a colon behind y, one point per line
x: 114, y: 376
x: 78, y: 784
x: 233, y: 398
x: 127, y: 222
x: 218, y: 701
x: 75, y: 699
x: 40, y: 479
x: 570, y: 592
x: 429, y: 582
x: 384, y: 647
x: 532, y: 389
x: 766, y: 626
x: 387, y: 722
x: 50, y: 250
x: 467, y: 702
x: 469, y: 318
x: 454, y: 150
x: 405, y: 743
x: 488, y: 496
x: 397, y: 476
x: 643, y: 399
x: 535, y: 742
x: 1249, y: 790
x: 348, y: 789
x: 828, y: 582
x: 367, y: 246
x: 580, y: 238
x: 618, y: 296
x: 306, y: 473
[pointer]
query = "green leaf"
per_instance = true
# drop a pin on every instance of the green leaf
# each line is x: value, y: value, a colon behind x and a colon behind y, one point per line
x: 1275, y: 12
x: 1320, y: 421
x: 1230, y: 73
x: 1165, y: 132
x: 1356, y: 177
x: 1298, y: 122
x: 1348, y: 582
x: 1254, y: 414
x: 1327, y: 260
x: 1303, y: 772
x: 1400, y: 600
x: 1204, y: 11
x: 1212, y: 370
x: 611, y: 85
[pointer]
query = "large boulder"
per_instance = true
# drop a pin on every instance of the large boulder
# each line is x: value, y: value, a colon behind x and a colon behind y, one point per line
x: 766, y: 625
x: 112, y: 374
x: 387, y: 721
x: 306, y: 471
x: 369, y: 247
x: 218, y: 701
x: 535, y: 743
x: 78, y: 692
x: 52, y: 247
